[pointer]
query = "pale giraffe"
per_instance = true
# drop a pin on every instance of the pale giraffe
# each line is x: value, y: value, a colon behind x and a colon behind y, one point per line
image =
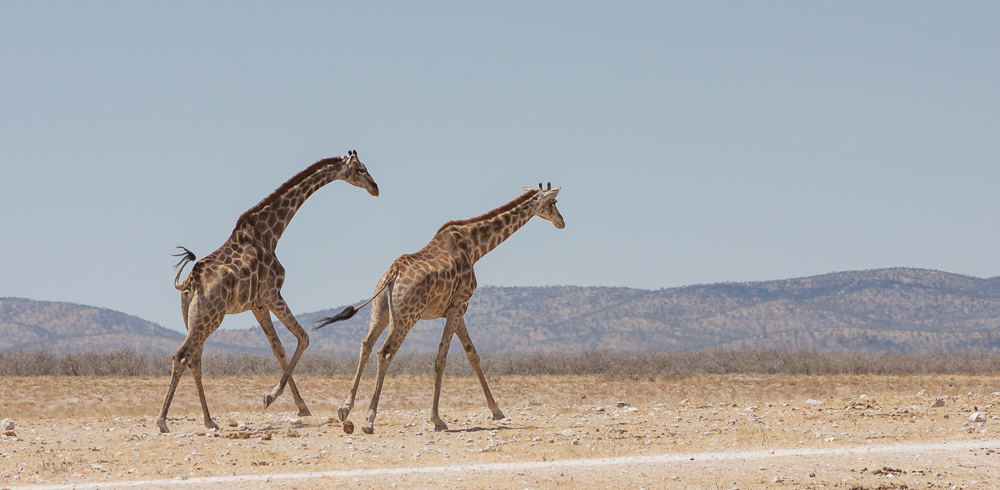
x: 244, y: 274
x: 437, y: 282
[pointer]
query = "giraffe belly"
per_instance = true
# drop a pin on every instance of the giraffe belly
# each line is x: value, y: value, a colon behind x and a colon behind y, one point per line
x: 438, y: 304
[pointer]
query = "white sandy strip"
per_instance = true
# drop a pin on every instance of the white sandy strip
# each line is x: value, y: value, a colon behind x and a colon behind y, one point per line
x: 894, y: 449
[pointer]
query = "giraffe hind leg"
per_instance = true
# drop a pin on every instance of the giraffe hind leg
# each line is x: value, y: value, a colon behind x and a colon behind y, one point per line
x: 385, y: 355
x: 188, y: 354
x: 379, y: 320
x: 181, y: 360
x: 195, y: 367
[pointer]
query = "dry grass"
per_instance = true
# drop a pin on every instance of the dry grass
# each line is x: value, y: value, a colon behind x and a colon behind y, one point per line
x: 610, y: 365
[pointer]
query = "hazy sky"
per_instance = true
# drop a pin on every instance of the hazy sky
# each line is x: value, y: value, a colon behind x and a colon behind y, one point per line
x: 695, y: 143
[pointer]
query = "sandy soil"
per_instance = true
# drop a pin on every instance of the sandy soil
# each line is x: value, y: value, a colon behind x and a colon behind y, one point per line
x: 825, y: 432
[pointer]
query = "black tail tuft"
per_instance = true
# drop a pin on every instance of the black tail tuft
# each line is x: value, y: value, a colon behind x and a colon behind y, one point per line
x: 186, y: 256
x: 343, y: 315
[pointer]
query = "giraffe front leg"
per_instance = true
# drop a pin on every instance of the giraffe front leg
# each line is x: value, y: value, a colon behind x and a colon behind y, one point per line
x: 280, y: 310
x: 264, y: 319
x: 439, y: 365
x: 470, y: 352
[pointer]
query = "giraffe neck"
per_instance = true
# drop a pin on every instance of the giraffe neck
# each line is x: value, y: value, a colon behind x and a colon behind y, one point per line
x: 269, y: 218
x: 483, y: 235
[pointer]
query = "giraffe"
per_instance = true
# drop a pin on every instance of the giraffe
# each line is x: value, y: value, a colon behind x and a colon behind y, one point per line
x: 437, y: 282
x: 244, y: 274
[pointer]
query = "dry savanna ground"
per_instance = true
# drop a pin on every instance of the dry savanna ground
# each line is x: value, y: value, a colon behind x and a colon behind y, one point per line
x: 79, y: 430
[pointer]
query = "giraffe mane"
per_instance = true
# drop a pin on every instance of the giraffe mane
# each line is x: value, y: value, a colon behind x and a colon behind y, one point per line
x: 494, y: 213
x: 292, y: 182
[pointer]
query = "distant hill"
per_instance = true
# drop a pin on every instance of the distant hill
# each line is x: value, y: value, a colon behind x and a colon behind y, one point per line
x: 897, y: 310
x: 59, y: 328
x: 66, y: 327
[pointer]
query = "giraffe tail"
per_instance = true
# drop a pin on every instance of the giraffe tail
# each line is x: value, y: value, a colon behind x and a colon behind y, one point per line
x: 186, y: 256
x: 350, y: 311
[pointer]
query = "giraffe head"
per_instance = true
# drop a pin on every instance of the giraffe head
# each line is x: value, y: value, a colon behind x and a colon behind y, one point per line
x: 355, y: 173
x: 546, y: 207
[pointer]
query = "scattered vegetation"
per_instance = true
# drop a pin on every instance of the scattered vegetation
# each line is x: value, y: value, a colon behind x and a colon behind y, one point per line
x: 677, y: 364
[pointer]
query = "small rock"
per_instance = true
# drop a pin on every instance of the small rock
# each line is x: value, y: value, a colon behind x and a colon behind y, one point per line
x: 291, y: 420
x: 938, y: 402
x: 863, y: 397
x: 684, y: 401
x: 348, y: 427
x: 811, y: 402
x: 977, y: 417
x: 778, y: 479
x: 922, y: 393
x: 568, y: 433
x: 7, y: 424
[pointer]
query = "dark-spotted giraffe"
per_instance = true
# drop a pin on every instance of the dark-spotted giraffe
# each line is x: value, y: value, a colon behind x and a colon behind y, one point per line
x: 437, y: 282
x: 244, y: 274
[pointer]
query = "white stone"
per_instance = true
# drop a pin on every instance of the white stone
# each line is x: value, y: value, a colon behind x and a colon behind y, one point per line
x: 813, y: 402
x: 7, y: 424
x: 568, y: 433
x: 977, y: 417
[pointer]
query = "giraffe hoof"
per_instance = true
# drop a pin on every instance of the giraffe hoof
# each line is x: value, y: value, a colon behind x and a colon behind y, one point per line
x: 268, y: 400
x: 368, y: 428
x: 162, y: 423
x: 343, y: 412
x: 304, y: 412
x: 438, y: 423
x: 209, y: 424
x: 499, y: 416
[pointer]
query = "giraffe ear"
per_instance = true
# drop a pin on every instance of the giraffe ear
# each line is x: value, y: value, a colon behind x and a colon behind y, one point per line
x: 549, y: 186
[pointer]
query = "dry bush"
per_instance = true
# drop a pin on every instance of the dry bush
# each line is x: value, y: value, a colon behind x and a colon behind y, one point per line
x: 611, y: 365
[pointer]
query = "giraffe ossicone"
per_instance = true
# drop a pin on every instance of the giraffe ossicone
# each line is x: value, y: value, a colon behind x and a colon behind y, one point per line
x: 437, y: 282
x: 244, y: 274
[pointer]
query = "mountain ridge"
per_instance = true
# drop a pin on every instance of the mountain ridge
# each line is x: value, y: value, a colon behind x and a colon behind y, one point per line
x: 904, y: 310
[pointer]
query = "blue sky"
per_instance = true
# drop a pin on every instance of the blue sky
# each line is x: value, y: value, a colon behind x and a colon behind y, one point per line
x: 695, y: 142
